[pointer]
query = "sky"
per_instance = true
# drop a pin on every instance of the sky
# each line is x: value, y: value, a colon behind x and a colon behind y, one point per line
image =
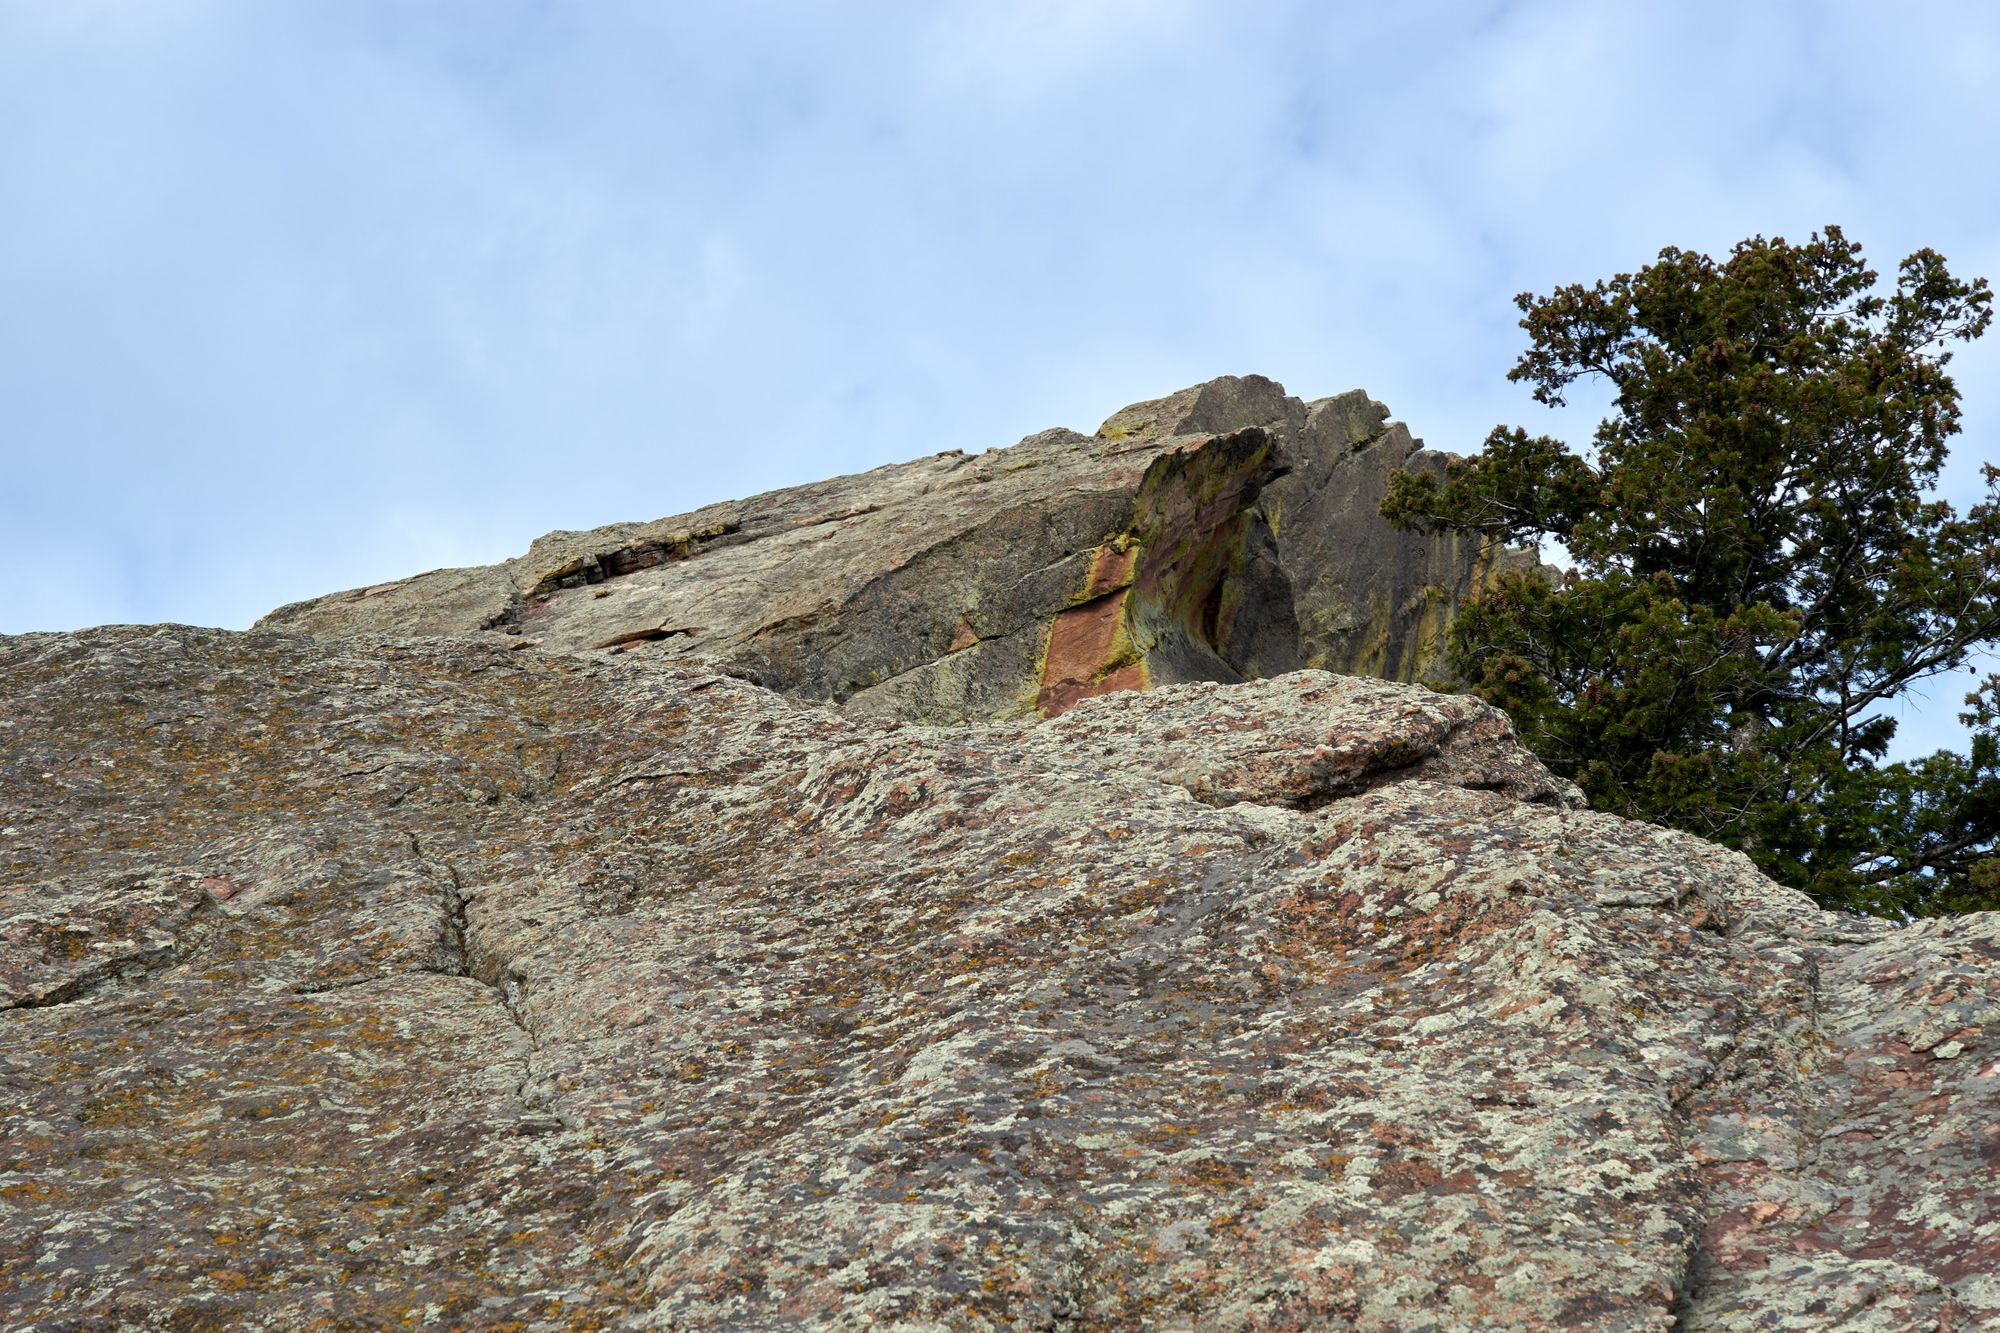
x: 308, y: 295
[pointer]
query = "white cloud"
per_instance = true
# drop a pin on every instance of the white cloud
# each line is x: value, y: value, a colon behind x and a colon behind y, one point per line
x: 276, y: 274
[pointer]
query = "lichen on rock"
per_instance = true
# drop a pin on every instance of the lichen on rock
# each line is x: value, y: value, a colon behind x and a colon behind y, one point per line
x: 374, y: 982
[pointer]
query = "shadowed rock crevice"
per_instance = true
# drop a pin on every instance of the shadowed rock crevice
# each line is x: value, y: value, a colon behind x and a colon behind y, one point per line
x: 468, y: 954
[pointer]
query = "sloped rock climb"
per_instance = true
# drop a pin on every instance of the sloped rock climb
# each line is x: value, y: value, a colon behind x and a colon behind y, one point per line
x: 364, y: 982
x: 1227, y: 532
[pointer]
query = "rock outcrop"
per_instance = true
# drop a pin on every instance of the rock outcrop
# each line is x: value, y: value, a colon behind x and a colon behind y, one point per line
x: 600, y: 941
x: 365, y: 982
x: 1227, y: 532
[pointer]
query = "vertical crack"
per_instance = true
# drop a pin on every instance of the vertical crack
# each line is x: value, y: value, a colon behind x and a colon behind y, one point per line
x: 1779, y: 1027
x: 1813, y: 1115
x: 503, y: 981
x: 1695, y: 1266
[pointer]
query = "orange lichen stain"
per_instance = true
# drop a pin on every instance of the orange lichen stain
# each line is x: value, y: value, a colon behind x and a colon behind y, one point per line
x: 1088, y: 650
x: 1081, y: 641
x: 1131, y: 676
x: 1111, y: 569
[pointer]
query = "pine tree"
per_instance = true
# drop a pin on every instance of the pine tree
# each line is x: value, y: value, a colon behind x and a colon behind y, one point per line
x: 1760, y: 565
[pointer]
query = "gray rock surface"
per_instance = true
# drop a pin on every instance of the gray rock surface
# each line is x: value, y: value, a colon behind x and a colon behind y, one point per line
x: 373, y: 983
x: 1367, y: 600
x: 1227, y: 532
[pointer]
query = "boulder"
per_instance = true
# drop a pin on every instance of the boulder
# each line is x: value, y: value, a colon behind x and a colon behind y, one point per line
x: 1225, y: 533
x: 372, y: 982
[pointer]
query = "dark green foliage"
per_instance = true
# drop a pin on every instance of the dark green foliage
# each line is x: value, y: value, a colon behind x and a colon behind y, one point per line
x: 1759, y: 567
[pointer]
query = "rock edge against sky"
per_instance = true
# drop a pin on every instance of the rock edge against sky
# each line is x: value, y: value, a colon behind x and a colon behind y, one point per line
x: 360, y: 980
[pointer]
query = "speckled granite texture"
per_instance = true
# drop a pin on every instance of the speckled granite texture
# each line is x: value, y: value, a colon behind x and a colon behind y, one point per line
x: 372, y: 983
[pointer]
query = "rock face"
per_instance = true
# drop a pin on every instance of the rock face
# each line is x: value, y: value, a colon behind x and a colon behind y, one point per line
x: 373, y: 983
x: 1367, y: 600
x: 1228, y: 532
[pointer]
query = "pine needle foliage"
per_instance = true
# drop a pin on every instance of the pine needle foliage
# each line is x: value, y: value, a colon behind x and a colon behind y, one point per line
x: 1761, y: 565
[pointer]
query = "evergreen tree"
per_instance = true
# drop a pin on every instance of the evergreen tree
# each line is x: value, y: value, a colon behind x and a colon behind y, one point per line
x: 1760, y: 565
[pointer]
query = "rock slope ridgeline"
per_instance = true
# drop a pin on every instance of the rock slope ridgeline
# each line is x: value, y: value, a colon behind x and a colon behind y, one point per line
x: 1227, y: 532
x: 361, y: 981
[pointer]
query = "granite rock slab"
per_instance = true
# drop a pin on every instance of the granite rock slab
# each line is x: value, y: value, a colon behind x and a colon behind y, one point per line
x: 375, y: 982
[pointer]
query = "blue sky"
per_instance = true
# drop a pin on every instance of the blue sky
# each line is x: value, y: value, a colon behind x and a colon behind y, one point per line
x: 299, y: 296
